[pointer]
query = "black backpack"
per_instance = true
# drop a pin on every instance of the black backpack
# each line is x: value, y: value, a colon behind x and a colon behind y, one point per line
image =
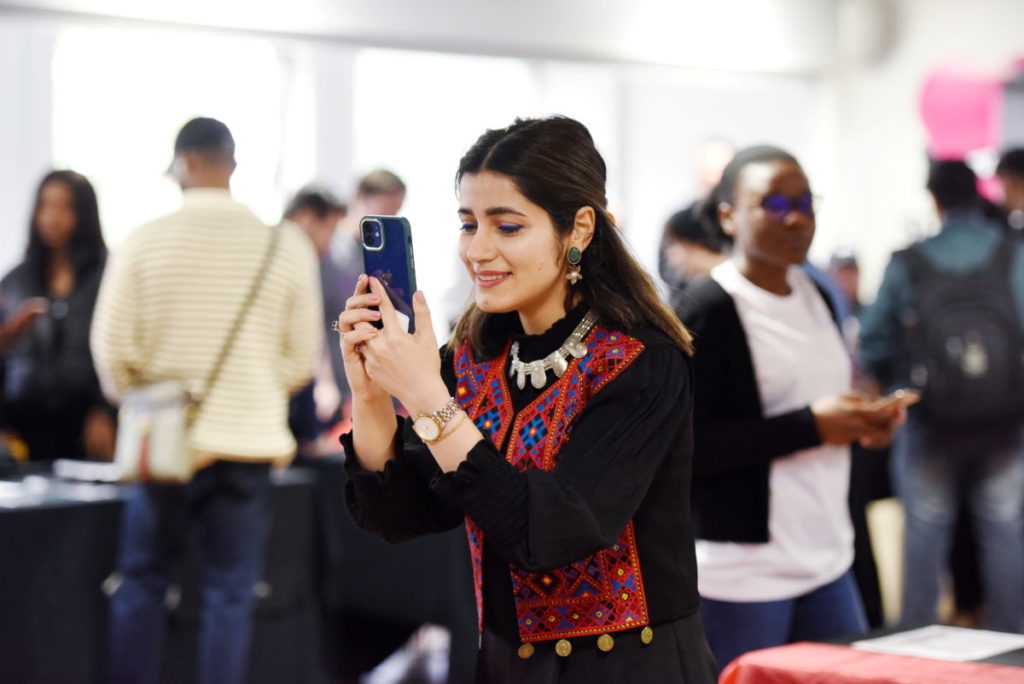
x: 965, y: 340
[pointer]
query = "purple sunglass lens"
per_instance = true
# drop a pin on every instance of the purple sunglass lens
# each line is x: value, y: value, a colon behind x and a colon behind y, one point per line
x: 778, y: 206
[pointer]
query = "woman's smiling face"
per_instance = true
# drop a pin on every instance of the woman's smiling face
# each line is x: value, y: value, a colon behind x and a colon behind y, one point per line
x: 512, y: 252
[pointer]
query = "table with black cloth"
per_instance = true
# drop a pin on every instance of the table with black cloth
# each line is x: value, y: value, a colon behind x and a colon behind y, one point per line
x: 58, y: 548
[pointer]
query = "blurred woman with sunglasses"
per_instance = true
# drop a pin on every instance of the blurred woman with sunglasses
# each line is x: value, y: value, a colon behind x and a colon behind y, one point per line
x: 52, y: 400
x: 774, y: 416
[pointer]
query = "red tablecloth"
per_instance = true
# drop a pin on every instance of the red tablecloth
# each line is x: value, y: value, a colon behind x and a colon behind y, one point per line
x: 807, y: 663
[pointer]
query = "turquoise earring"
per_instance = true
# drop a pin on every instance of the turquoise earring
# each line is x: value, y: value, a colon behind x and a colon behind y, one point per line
x: 575, y: 256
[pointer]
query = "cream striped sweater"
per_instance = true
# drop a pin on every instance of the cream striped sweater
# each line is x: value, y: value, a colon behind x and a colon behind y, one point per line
x: 169, y: 296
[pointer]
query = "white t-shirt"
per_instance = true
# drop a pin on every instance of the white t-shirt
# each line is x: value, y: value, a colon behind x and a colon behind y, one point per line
x: 798, y: 356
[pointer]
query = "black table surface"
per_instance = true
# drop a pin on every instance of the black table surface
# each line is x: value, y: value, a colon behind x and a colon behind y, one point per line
x: 58, y: 546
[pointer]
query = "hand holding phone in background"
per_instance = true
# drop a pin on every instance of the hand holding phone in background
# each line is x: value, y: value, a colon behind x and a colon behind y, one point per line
x: 890, y: 412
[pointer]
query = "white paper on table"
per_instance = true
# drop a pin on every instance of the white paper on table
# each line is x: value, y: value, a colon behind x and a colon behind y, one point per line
x: 944, y: 643
x: 89, y: 471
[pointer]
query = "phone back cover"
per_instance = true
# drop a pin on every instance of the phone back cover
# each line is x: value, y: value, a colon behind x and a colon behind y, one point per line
x: 393, y: 264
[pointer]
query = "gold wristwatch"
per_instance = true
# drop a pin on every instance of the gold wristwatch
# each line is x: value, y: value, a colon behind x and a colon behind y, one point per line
x: 430, y: 426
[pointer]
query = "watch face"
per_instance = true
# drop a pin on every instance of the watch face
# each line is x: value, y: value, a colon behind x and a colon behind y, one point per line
x: 425, y: 428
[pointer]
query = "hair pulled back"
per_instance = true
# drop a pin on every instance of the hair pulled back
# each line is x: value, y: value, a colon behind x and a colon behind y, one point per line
x: 553, y: 162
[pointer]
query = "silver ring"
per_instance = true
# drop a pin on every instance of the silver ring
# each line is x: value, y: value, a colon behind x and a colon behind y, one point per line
x: 336, y: 327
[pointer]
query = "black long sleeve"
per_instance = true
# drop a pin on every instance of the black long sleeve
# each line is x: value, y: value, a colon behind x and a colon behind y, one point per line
x: 731, y: 432
x: 540, y: 520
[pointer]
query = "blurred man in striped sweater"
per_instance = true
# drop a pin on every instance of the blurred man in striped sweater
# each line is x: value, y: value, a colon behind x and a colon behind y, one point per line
x: 168, y: 301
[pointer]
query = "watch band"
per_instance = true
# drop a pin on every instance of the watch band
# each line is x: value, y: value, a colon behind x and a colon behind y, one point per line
x: 445, y: 413
x: 439, y: 418
x: 445, y: 434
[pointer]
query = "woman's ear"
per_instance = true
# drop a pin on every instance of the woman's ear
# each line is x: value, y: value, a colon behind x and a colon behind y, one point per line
x: 725, y: 219
x: 583, y: 228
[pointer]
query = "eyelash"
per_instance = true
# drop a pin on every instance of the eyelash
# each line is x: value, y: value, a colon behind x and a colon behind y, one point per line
x: 506, y: 228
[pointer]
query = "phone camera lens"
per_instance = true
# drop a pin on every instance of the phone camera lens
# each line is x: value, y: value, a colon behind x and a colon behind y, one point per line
x: 373, y: 234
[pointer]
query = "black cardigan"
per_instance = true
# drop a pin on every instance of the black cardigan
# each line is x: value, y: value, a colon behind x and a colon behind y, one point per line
x: 734, y: 443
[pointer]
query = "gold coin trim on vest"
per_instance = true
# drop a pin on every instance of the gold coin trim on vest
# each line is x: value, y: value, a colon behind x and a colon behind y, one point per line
x: 647, y: 635
x: 563, y: 647
x: 525, y: 651
x: 605, y: 642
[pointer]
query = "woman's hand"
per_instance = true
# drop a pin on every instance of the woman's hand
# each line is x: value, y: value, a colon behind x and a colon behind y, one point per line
x: 406, y: 366
x: 99, y: 435
x: 888, y: 418
x: 22, y: 320
x: 844, y: 418
x: 355, y: 328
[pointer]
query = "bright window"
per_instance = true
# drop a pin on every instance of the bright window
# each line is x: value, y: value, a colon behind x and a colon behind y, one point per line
x: 120, y: 97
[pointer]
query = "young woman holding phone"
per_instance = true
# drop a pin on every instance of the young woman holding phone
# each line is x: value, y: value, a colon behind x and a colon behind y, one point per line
x: 555, y: 424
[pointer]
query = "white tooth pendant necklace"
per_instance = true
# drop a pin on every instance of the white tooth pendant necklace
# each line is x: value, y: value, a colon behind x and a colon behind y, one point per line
x: 556, y: 361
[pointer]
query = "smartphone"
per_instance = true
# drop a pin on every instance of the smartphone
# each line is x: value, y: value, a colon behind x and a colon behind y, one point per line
x: 387, y: 256
x: 906, y: 397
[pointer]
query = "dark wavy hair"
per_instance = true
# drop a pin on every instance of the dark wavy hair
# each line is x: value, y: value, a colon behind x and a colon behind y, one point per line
x: 87, y: 248
x: 553, y: 162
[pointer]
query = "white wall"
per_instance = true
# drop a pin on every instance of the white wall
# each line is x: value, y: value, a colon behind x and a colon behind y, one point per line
x: 881, y: 140
x: 841, y: 90
x: 764, y: 35
x: 25, y: 109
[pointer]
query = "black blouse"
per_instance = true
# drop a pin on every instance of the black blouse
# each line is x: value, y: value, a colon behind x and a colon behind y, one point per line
x: 628, y: 457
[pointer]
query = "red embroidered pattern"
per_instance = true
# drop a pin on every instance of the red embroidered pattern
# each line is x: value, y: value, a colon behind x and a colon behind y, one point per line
x: 601, y: 593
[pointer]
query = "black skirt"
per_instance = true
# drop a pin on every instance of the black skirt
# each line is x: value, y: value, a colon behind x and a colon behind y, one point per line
x: 678, y: 654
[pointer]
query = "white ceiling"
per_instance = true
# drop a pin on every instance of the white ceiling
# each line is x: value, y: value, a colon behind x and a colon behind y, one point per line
x: 781, y: 36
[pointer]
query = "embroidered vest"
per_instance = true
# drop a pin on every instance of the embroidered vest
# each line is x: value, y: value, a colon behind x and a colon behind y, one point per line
x: 599, y: 594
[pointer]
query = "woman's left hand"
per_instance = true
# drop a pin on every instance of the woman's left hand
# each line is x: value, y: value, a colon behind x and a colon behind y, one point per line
x: 888, y: 420
x: 406, y: 366
x: 99, y: 435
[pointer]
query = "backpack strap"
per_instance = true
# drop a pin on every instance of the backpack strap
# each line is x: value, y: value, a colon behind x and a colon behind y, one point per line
x: 920, y: 267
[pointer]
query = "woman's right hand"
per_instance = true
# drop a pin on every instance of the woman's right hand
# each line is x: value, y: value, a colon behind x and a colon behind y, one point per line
x: 844, y: 418
x: 22, y: 320
x: 355, y: 327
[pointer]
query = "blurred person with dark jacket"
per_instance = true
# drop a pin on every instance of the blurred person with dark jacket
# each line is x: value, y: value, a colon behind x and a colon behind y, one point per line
x: 52, y: 400
x: 1010, y: 172
x: 378, y: 193
x: 318, y: 406
x: 969, y: 444
x: 692, y: 247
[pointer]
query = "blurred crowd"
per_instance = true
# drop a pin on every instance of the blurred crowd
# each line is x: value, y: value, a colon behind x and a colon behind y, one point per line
x: 796, y: 404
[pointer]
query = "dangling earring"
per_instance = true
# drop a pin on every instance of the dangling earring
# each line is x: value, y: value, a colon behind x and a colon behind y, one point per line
x: 575, y: 256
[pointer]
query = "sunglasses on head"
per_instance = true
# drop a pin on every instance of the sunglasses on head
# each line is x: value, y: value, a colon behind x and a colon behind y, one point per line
x: 778, y: 206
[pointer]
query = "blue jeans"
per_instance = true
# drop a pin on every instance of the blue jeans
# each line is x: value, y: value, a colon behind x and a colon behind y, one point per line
x: 831, y: 611
x: 931, y: 472
x: 231, y: 504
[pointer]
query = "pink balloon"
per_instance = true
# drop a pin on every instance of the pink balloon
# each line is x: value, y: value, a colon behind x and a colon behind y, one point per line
x: 961, y: 111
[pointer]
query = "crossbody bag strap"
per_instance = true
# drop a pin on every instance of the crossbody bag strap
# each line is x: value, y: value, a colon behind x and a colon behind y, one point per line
x: 229, y: 341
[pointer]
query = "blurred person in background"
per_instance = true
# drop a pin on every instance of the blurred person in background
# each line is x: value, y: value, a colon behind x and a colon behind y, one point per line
x: 1010, y: 172
x: 378, y: 193
x: 948, y: 320
x: 317, y: 408
x: 774, y: 416
x: 691, y: 247
x: 168, y: 302
x: 711, y: 158
x: 52, y: 401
